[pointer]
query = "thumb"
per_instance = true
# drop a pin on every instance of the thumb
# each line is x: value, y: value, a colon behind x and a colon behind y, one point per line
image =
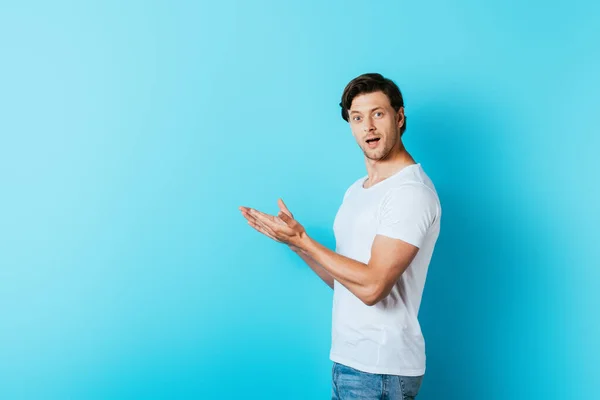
x: 289, y: 220
x: 283, y: 207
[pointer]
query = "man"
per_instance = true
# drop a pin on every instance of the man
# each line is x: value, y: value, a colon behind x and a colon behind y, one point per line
x: 385, y: 229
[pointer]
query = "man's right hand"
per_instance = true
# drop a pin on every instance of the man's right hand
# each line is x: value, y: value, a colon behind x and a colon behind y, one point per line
x: 264, y: 229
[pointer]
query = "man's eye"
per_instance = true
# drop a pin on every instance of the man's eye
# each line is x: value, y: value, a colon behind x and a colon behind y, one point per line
x: 356, y: 118
x: 378, y: 114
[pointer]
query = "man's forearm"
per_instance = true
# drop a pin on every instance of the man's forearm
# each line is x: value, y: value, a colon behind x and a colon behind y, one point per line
x: 317, y: 268
x: 353, y: 274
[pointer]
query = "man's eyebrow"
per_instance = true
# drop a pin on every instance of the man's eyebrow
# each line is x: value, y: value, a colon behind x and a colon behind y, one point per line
x: 371, y: 110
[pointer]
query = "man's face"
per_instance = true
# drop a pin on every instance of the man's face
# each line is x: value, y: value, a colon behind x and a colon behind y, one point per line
x: 375, y: 125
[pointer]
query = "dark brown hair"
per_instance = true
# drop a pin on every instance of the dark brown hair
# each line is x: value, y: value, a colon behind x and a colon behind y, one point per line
x: 369, y: 83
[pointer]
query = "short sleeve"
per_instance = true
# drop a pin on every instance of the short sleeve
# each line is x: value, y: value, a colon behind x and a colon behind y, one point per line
x: 347, y: 192
x: 407, y: 212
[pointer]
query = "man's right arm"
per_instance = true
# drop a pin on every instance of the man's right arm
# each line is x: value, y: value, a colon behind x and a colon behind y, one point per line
x: 315, y: 266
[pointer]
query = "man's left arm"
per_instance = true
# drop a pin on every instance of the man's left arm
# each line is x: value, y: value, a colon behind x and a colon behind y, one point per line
x: 369, y: 282
x: 404, y: 218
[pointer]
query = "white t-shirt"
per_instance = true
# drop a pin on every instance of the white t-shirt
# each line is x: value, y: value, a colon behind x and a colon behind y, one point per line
x: 385, y: 338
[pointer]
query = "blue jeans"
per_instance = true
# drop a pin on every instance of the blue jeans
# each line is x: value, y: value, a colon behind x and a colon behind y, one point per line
x: 351, y: 384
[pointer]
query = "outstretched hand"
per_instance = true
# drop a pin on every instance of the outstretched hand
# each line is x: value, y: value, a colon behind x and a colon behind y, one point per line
x: 282, y: 228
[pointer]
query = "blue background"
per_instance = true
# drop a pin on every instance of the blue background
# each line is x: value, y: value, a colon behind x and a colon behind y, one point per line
x: 131, y: 132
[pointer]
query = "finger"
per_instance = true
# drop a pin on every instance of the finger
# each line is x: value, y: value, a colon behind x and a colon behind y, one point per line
x: 273, y: 225
x: 284, y: 208
x: 247, y: 215
x: 244, y: 209
x: 266, y: 219
x: 256, y: 214
x: 264, y: 231
x: 272, y: 235
x: 279, y: 221
x: 289, y: 221
x: 258, y: 225
x: 265, y: 224
x: 250, y: 215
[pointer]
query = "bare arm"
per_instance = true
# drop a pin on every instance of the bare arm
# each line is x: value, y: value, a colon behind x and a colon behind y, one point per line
x: 408, y: 213
x: 370, y: 283
x: 315, y: 266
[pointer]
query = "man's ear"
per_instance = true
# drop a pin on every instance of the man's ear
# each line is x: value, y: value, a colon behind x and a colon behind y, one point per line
x: 400, y: 117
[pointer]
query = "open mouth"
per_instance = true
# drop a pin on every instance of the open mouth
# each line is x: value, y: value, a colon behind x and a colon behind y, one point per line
x: 372, y: 143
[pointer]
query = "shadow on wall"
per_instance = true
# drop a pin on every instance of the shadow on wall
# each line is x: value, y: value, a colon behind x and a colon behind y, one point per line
x: 483, y: 296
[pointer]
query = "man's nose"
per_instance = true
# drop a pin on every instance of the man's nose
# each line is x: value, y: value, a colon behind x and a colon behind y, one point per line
x: 368, y: 125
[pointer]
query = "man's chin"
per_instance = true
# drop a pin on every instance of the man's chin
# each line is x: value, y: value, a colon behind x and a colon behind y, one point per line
x: 374, y: 156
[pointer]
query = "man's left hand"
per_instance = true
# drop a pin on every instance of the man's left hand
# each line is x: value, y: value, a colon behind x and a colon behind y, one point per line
x: 283, y: 227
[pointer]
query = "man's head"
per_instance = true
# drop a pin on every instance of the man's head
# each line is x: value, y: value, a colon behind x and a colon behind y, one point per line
x: 374, y: 107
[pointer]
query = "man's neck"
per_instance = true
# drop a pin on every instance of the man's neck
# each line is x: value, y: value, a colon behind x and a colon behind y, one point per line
x: 383, y: 169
